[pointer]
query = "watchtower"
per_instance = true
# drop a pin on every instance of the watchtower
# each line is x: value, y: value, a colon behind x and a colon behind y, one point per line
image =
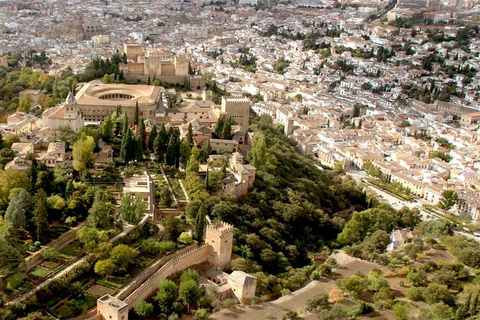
x: 219, y: 236
x: 110, y: 308
x: 237, y: 107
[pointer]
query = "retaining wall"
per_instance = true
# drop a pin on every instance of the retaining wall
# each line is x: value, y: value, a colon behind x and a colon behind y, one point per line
x: 58, y: 244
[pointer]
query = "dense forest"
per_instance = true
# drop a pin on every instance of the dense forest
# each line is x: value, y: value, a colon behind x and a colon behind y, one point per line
x: 295, y: 207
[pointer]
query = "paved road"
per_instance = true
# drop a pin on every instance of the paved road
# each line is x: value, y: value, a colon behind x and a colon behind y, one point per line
x: 275, y: 309
x: 397, y: 203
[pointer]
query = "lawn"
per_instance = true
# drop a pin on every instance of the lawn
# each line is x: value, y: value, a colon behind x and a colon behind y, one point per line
x: 71, y: 251
x: 110, y: 284
x: 39, y: 272
x: 50, y: 264
x: 177, y: 189
x: 76, y: 306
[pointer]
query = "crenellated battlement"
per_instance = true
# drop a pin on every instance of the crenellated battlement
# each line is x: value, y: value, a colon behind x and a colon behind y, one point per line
x: 238, y: 100
x: 217, y: 251
x: 220, y: 228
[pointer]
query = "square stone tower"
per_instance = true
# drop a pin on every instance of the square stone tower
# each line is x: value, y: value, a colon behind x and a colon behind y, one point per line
x: 237, y: 107
x: 219, y: 236
x: 110, y: 308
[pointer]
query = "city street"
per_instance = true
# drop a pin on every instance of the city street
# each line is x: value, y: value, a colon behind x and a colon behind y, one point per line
x: 398, y: 203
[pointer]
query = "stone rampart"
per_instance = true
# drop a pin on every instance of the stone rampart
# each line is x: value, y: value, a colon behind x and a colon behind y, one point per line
x: 181, y: 262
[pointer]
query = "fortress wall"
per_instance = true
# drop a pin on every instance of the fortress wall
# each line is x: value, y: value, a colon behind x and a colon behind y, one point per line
x: 177, y: 264
x: 150, y: 271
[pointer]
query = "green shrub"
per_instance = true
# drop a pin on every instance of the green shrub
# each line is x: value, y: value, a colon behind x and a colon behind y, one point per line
x: 201, y: 314
x: 143, y: 308
x: 14, y: 281
x: 50, y: 254
x: 400, y: 310
x: 415, y: 294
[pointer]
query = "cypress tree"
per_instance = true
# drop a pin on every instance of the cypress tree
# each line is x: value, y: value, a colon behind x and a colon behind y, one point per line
x: 135, y: 119
x: 160, y: 144
x: 2, y: 143
x: 32, y: 175
x: 227, y: 129
x: 185, y: 151
x: 190, y: 69
x: 40, y: 216
x: 200, y: 224
x: 190, y: 135
x: 142, y: 134
x: 170, y: 132
x: 219, y: 128
x: 224, y: 169
x: 125, y: 124
x: 186, y: 83
x: 158, y: 149
x: 125, y: 147
x: 207, y: 150
x: 124, y: 58
x: 171, y: 151
x: 207, y: 178
x: 151, y: 139
x: 69, y: 189
x: 148, y: 80
x: 138, y: 148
